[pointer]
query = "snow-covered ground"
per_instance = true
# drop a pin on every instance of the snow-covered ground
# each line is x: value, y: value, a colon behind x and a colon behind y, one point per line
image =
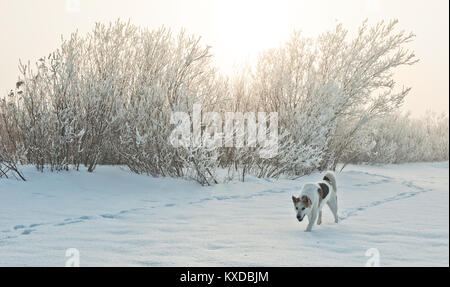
x: 114, y: 217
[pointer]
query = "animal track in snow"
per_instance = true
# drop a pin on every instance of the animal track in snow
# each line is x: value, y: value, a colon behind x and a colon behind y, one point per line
x: 403, y: 195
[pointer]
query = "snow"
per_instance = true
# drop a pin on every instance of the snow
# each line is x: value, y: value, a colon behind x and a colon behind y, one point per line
x: 117, y: 218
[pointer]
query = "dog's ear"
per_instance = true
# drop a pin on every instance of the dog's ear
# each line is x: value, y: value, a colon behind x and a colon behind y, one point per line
x: 295, y: 199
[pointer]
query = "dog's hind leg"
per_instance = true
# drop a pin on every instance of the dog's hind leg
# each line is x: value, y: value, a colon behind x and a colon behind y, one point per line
x: 332, y: 203
x: 319, y: 220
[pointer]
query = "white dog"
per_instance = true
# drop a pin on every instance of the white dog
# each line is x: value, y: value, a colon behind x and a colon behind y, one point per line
x: 313, y: 197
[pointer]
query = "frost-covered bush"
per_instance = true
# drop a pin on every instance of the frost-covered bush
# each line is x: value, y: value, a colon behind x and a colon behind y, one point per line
x: 398, y: 138
x: 67, y: 106
x: 325, y: 91
x: 11, y: 149
x: 166, y: 75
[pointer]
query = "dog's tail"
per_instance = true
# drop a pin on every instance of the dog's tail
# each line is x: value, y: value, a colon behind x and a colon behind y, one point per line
x: 329, y: 177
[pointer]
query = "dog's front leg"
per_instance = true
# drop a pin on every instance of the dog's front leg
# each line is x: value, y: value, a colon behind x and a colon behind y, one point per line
x: 311, y: 221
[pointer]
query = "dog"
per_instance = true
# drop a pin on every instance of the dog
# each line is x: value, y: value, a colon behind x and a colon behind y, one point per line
x: 313, y: 197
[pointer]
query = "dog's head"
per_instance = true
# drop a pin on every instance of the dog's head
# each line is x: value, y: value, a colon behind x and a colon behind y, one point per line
x: 302, y: 206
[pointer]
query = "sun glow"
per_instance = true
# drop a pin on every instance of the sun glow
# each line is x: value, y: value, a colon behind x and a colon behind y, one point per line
x: 242, y: 29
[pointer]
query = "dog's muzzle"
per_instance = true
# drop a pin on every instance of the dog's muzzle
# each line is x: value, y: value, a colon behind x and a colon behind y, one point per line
x: 299, y: 218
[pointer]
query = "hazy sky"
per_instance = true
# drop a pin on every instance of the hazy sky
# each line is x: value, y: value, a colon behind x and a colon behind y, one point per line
x: 237, y: 30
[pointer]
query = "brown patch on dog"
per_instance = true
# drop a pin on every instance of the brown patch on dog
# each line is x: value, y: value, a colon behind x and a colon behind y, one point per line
x: 325, y: 189
x: 295, y: 199
x: 306, y: 201
x: 320, y: 195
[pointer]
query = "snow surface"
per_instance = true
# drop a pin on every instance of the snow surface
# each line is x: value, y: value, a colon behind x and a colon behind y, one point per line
x: 117, y: 218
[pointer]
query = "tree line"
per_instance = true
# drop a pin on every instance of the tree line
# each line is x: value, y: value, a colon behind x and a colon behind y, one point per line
x: 107, y: 98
